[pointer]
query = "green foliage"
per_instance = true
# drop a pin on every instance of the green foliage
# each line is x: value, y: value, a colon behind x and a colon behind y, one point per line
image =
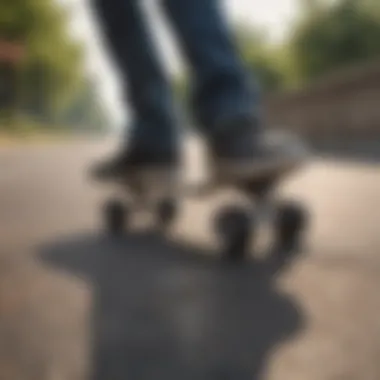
x: 51, y: 76
x: 335, y: 35
x: 52, y: 65
x: 54, y: 57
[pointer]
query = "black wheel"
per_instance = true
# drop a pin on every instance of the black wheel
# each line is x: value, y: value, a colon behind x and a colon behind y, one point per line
x: 167, y: 210
x: 290, y: 225
x: 234, y: 229
x: 115, y: 215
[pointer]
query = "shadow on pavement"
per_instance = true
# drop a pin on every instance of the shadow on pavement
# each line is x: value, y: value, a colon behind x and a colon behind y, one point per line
x: 169, y: 311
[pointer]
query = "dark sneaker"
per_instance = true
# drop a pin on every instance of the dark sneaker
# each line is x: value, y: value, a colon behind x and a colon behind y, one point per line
x: 137, y: 159
x: 241, y: 153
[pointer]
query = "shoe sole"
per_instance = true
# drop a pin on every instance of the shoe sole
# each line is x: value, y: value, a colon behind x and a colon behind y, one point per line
x: 226, y: 171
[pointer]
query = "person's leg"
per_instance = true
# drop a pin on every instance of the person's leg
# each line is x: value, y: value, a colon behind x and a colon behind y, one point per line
x: 225, y: 99
x: 153, y: 132
x: 222, y: 89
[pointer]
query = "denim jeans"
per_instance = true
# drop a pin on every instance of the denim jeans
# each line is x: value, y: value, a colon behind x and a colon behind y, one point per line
x: 222, y: 91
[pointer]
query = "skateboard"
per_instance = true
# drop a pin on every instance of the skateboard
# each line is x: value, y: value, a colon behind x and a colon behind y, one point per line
x: 235, y: 226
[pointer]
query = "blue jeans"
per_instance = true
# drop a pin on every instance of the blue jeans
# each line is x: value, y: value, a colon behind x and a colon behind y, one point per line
x: 222, y: 91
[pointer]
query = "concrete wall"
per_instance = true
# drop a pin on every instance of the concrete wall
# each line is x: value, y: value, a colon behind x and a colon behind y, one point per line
x: 344, y: 105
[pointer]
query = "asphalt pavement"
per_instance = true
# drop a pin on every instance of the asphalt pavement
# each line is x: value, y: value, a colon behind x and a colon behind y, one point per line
x: 76, y: 304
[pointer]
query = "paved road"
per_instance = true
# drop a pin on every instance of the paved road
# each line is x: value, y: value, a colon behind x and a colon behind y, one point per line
x: 75, y: 304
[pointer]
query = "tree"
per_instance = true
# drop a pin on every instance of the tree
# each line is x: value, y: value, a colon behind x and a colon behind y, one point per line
x: 52, y: 69
x: 335, y: 35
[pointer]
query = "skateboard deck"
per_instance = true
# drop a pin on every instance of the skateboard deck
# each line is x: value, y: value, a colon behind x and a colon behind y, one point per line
x: 257, y: 181
x: 257, y: 184
x: 157, y: 184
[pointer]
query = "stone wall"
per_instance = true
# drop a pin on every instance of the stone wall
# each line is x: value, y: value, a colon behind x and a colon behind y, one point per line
x: 343, y: 105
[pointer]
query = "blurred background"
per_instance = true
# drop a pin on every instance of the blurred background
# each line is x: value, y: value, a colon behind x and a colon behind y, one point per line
x: 313, y: 58
x: 149, y: 307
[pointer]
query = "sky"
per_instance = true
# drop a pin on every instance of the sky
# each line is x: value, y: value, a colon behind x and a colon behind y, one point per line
x: 274, y: 15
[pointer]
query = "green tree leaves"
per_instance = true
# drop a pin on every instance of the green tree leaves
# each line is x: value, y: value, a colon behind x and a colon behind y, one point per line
x: 52, y: 74
x: 335, y: 35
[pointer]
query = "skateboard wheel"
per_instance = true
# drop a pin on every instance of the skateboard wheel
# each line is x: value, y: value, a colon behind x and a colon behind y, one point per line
x: 234, y: 228
x: 115, y: 216
x: 290, y: 223
x: 167, y: 210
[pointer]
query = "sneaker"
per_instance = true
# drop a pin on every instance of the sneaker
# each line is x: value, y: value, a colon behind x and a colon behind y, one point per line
x: 241, y: 153
x: 137, y: 159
